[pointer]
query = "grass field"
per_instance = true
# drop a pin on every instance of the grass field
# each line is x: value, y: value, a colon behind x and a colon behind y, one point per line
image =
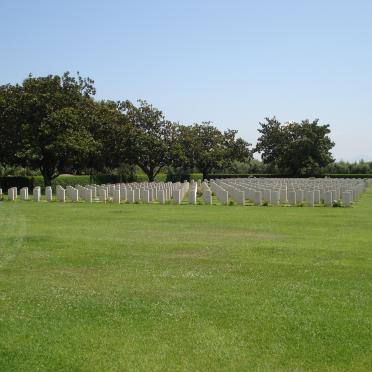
x: 149, y: 287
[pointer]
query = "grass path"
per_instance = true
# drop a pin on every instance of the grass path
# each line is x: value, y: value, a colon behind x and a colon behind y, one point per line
x: 150, y: 287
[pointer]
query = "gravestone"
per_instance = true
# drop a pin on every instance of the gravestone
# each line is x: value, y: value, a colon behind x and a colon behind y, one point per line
x: 317, y: 199
x: 12, y: 193
x: 328, y: 198
x: 36, y: 194
x: 61, y: 194
x: 177, y: 196
x: 192, y: 195
x: 130, y: 196
x: 292, y: 198
x: 116, y: 196
x: 89, y: 195
x: 102, y: 193
x: 347, y: 198
x: 310, y: 198
x: 48, y: 193
x: 257, y: 198
x: 207, y: 197
x: 74, y: 195
x: 275, y: 197
x: 161, y: 196
x: 24, y: 193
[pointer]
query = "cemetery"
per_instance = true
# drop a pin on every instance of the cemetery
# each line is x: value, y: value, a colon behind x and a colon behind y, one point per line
x: 241, y: 191
x: 186, y: 186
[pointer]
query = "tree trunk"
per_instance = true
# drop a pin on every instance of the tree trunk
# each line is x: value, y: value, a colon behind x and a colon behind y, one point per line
x: 47, y: 176
x: 151, y: 176
x: 47, y: 179
x: 150, y: 173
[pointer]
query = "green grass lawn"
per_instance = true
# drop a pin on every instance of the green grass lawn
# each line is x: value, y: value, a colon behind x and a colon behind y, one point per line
x: 164, y: 287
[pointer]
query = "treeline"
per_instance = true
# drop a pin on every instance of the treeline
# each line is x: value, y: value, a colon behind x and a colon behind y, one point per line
x: 53, y: 125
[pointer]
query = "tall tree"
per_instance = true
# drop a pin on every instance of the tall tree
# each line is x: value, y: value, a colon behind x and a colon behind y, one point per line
x: 151, y: 138
x: 295, y: 148
x: 41, y: 124
x: 207, y: 148
x: 109, y: 127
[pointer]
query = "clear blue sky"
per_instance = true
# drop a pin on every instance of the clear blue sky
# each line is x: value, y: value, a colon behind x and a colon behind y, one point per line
x: 231, y: 62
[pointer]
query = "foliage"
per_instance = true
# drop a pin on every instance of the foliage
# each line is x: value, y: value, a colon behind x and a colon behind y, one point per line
x: 15, y: 181
x: 151, y: 138
x: 206, y: 148
x: 42, y: 124
x: 110, y: 131
x: 295, y: 148
x: 52, y: 125
x: 348, y: 175
x: 343, y: 167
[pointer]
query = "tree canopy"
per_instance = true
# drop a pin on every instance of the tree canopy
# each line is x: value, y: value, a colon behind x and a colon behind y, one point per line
x: 53, y: 124
x: 151, y: 137
x: 295, y: 148
x: 41, y: 123
x: 205, y: 147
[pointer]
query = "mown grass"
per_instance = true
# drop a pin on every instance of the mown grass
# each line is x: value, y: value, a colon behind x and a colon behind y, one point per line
x: 165, y: 287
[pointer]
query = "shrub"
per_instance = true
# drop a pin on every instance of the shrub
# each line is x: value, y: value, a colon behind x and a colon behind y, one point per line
x: 336, y: 204
x: 195, y: 176
x: 16, y: 181
x: 351, y: 175
x: 104, y: 178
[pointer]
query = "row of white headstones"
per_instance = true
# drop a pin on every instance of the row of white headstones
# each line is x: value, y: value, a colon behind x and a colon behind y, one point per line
x: 273, y: 191
x: 276, y: 191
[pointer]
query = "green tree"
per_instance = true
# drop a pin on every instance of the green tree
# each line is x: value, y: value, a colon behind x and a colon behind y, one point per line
x: 151, y: 138
x: 41, y: 123
x: 108, y: 125
x: 295, y: 148
x: 206, y: 148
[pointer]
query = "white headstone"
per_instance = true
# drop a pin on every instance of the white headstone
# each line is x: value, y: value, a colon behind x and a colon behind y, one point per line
x: 89, y: 195
x: 347, y: 199
x: 12, y: 193
x: 207, y: 197
x: 116, y: 196
x: 310, y: 198
x: 102, y: 194
x: 275, y: 197
x: 36, y: 194
x: 130, y: 196
x: 48, y: 193
x: 161, y: 196
x: 24, y: 193
x: 328, y: 199
x: 61, y: 194
x: 192, y: 195
x: 292, y: 197
x: 257, y: 198
x: 74, y: 195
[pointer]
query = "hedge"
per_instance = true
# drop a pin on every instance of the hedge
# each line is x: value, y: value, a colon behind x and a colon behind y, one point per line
x: 346, y: 175
x: 72, y: 180
x: 245, y: 175
x: 33, y: 181
x: 181, y: 177
x: 262, y: 175
x: 16, y: 181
